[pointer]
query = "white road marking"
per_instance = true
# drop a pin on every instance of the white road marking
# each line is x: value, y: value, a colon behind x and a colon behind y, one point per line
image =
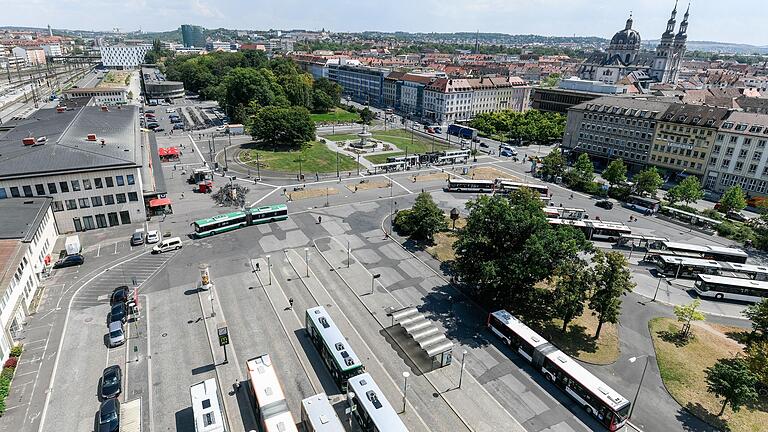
x: 398, y: 183
x: 98, y: 250
x: 264, y: 197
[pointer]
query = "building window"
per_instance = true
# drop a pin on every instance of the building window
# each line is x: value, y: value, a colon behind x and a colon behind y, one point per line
x: 109, y: 181
x: 96, y: 201
x: 75, y: 185
x: 83, y: 202
x: 120, y: 181
x: 120, y: 198
x: 113, y: 221
x: 97, y: 183
x: 64, y: 186
x: 3, y: 194
x: 109, y: 199
x: 87, y: 184
x: 71, y: 204
x: 133, y: 196
x: 51, y: 188
x: 40, y: 189
x: 101, y: 221
x: 739, y: 166
x: 125, y: 217
x: 57, y: 206
x: 130, y: 179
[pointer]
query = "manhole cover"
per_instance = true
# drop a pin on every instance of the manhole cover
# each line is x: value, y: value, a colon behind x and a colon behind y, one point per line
x: 164, y: 334
x: 88, y: 320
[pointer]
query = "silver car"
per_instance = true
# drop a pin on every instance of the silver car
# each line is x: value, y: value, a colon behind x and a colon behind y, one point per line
x: 116, y: 334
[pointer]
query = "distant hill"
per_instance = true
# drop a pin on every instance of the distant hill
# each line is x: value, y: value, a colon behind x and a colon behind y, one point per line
x: 718, y: 47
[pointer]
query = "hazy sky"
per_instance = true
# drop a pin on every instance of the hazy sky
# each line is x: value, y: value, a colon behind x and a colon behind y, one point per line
x: 710, y: 20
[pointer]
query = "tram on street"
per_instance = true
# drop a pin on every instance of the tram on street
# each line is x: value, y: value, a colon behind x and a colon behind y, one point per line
x: 609, y: 407
x: 271, y: 406
x: 370, y: 408
x: 333, y: 347
x: 206, y: 407
x: 239, y: 219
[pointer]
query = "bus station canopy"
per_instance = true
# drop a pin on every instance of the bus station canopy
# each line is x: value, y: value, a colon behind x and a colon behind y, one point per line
x: 159, y: 202
x: 168, y: 151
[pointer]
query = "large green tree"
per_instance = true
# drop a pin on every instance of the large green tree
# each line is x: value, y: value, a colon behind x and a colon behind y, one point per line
x: 758, y: 314
x: 330, y: 88
x: 423, y: 220
x: 531, y: 126
x: 732, y: 380
x: 689, y: 190
x: 648, y: 181
x: 507, y: 246
x: 574, y: 280
x: 612, y: 281
x: 553, y: 164
x: 583, y: 172
x: 615, y: 173
x: 366, y: 116
x: 733, y: 199
x: 757, y: 360
x: 290, y: 127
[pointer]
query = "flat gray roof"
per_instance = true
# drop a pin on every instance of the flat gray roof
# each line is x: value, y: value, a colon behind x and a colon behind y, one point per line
x: 66, y: 148
x: 22, y: 216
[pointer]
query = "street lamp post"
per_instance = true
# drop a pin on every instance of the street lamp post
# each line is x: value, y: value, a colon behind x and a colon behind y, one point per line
x: 373, y: 278
x: 258, y: 168
x: 348, y: 253
x: 661, y: 278
x: 306, y: 259
x: 269, y: 271
x: 461, y: 374
x: 642, y: 376
x: 405, y: 387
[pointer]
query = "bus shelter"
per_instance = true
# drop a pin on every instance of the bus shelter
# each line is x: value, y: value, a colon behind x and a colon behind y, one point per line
x: 432, y: 344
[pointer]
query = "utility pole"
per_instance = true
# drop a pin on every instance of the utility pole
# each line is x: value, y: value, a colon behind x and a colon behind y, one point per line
x: 258, y: 168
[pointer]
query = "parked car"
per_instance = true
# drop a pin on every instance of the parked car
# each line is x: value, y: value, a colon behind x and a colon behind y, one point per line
x: 111, y: 382
x: 483, y: 144
x: 109, y: 416
x: 69, y: 261
x: 170, y: 110
x: 119, y: 295
x: 153, y: 236
x: 118, y: 313
x: 137, y: 238
x: 606, y: 204
x: 116, y: 334
x: 178, y: 126
x: 736, y: 216
x: 159, y: 129
x: 167, y: 245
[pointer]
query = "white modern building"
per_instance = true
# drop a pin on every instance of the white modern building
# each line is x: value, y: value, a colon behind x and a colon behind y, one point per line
x: 31, y: 55
x: 739, y: 155
x: 94, y: 162
x: 51, y: 50
x: 124, y: 56
x: 27, y: 238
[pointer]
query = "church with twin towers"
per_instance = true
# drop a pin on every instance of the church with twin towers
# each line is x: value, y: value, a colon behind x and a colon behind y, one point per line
x: 623, y: 59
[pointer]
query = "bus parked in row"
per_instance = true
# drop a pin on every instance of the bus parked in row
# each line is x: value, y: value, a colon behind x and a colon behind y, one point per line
x: 729, y: 288
x: 370, y: 408
x: 333, y: 347
x: 271, y: 406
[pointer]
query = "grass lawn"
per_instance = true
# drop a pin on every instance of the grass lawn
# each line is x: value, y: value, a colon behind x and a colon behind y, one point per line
x: 315, y: 158
x: 682, y: 370
x: 114, y: 79
x: 400, y: 138
x: 336, y: 115
x: 342, y: 137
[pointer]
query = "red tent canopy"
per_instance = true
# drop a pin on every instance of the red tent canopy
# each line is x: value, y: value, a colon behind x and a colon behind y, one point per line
x: 168, y: 151
x: 159, y: 202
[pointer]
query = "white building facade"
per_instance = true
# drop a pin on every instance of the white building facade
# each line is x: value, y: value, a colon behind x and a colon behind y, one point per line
x: 448, y: 100
x: 498, y: 94
x: 124, y: 56
x: 21, y: 274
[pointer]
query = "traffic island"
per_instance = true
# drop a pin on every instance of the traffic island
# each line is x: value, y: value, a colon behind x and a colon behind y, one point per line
x: 682, y: 367
x: 489, y: 173
x: 303, y: 193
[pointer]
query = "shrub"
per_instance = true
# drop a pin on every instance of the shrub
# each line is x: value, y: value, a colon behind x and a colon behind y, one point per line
x: 402, y: 222
x: 11, y: 362
x: 620, y: 193
x: 16, y: 351
x: 738, y: 232
x: 712, y: 214
x: 5, y: 386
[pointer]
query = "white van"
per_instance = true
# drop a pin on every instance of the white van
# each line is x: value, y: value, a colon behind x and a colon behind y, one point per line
x: 166, y: 245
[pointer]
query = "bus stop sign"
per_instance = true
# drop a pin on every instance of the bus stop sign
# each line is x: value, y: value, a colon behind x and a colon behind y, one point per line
x: 223, y: 336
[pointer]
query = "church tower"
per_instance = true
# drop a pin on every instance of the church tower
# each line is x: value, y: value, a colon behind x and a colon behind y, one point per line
x: 679, y: 47
x: 662, y: 63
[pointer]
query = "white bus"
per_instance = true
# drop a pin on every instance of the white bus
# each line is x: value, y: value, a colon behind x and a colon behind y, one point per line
x: 594, y: 229
x: 269, y: 401
x: 370, y: 408
x: 605, y: 404
x: 461, y: 185
x: 206, y: 407
x: 566, y: 213
x: 717, y: 253
x: 721, y: 287
x: 318, y: 415
x: 507, y: 186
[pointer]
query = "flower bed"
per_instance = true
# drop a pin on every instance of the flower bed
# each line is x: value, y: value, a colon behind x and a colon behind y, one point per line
x: 6, y: 376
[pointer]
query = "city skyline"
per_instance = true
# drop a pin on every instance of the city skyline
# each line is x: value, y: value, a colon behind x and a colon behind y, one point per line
x: 543, y: 17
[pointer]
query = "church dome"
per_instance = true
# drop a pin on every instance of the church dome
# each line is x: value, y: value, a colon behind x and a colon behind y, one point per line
x: 626, y: 38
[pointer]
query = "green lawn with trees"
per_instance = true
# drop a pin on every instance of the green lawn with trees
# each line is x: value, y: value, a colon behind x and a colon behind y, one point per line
x: 531, y: 126
x: 315, y: 158
x: 336, y: 115
x: 400, y: 138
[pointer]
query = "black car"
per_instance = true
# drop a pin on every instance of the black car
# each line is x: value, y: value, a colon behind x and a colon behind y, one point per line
x: 137, y: 238
x: 118, y: 313
x: 119, y: 295
x: 604, y: 204
x: 111, y: 382
x: 109, y: 416
x: 69, y: 261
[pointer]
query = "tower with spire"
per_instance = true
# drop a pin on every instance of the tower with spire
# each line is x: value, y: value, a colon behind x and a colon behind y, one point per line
x: 670, y: 50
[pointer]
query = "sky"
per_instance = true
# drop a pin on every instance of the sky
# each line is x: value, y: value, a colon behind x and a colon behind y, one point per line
x: 709, y: 20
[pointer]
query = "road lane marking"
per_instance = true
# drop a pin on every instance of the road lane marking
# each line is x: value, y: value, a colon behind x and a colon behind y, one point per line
x: 398, y: 183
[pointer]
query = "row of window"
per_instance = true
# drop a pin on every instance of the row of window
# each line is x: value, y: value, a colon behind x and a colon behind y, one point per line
x: 679, y: 150
x: 679, y: 162
x: 614, y: 141
x: 733, y: 139
x: 685, y: 129
x: 94, y: 201
x: 64, y: 187
x: 620, y: 120
x: 739, y: 166
x: 756, y: 156
x: 610, y: 152
x: 617, y: 131
x: 101, y: 220
x: 746, y: 183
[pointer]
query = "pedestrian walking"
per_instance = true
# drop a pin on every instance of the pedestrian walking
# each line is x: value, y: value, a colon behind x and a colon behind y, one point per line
x: 319, y: 219
x: 290, y: 303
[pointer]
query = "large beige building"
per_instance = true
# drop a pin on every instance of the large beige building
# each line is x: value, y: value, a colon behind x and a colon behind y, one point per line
x: 684, y: 137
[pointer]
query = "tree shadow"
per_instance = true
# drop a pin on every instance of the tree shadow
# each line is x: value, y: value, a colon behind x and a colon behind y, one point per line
x: 575, y: 340
x: 461, y: 319
x: 702, y: 413
x: 675, y: 337
x: 743, y: 337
